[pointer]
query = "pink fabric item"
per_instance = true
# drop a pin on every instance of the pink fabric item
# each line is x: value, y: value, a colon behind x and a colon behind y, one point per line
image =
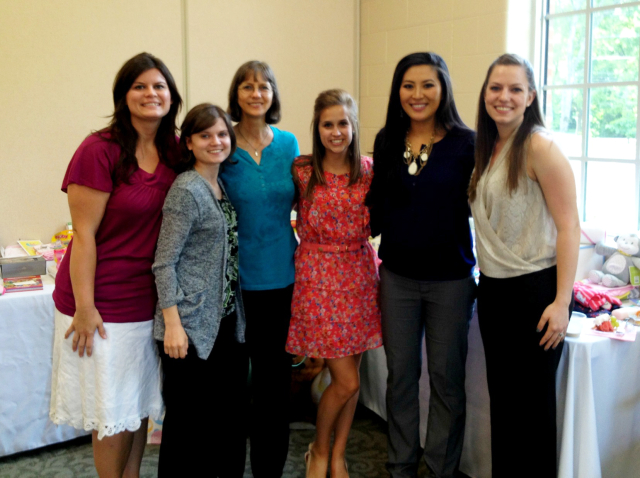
x: 588, y: 296
x: 126, y: 238
x: 611, y: 291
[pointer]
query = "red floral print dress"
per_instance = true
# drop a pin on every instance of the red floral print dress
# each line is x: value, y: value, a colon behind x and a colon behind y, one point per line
x: 335, y: 310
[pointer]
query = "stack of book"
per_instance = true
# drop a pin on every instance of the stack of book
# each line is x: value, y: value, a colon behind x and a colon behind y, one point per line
x: 21, y: 267
x: 19, y: 284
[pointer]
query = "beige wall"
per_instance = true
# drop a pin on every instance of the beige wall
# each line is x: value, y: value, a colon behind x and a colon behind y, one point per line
x: 58, y: 61
x: 468, y: 34
x: 308, y: 45
x: 59, y: 58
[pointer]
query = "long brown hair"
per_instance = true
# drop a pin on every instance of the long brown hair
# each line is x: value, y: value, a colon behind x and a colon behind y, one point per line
x: 121, y: 129
x: 389, y: 145
x: 487, y: 132
x: 326, y: 99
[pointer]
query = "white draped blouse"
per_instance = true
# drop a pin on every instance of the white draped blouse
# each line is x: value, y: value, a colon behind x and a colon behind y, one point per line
x: 515, y: 233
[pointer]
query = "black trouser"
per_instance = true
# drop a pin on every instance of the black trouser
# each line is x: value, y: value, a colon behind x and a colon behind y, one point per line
x: 205, y: 427
x: 520, y: 374
x: 268, y: 313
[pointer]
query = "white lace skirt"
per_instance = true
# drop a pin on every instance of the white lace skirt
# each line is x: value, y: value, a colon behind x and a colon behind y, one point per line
x: 115, y: 388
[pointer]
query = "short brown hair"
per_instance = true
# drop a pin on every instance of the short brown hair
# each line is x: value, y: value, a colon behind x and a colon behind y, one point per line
x: 256, y: 67
x: 201, y: 117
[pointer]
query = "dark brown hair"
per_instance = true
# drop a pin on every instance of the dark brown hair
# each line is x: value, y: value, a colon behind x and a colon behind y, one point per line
x: 326, y: 99
x: 201, y: 117
x: 120, y: 127
x: 389, y: 145
x: 487, y: 132
x: 254, y: 67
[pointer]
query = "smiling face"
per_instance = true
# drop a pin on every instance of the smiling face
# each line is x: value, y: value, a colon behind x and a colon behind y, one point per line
x: 149, y: 98
x: 507, y: 96
x: 335, y: 130
x: 420, y: 93
x: 255, y: 95
x: 210, y: 146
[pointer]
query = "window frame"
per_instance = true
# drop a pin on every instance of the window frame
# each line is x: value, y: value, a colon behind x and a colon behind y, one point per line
x: 586, y: 87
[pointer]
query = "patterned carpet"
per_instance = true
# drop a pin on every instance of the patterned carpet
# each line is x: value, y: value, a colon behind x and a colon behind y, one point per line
x: 366, y: 454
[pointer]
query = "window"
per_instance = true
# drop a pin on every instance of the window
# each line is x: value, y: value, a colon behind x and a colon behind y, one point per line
x: 590, y: 99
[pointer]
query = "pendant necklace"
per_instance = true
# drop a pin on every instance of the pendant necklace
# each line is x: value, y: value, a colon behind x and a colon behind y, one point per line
x: 247, y: 141
x: 417, y: 162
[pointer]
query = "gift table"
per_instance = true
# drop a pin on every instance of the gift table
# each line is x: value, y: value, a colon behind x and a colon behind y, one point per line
x: 26, y: 346
x: 598, y: 406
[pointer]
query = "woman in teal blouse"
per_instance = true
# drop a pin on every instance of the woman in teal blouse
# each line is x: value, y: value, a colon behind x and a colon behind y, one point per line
x: 259, y: 183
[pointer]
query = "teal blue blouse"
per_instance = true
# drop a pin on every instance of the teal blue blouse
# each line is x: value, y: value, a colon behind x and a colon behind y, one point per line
x: 262, y: 196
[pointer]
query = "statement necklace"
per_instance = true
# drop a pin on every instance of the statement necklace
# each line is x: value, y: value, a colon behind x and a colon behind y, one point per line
x: 419, y: 161
x: 255, y: 150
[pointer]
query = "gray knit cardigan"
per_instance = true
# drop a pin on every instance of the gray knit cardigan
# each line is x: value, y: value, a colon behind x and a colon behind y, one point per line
x: 190, y: 262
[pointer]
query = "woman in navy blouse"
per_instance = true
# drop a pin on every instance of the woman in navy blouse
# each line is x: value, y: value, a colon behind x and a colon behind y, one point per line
x: 259, y: 183
x: 423, y: 159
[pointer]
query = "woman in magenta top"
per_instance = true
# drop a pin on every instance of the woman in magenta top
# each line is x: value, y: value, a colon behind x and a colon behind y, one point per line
x: 116, y: 184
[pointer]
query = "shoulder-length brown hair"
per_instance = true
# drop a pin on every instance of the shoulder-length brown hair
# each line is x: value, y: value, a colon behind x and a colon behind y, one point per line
x: 254, y: 67
x: 199, y: 118
x: 326, y: 99
x: 120, y: 127
x: 487, y: 132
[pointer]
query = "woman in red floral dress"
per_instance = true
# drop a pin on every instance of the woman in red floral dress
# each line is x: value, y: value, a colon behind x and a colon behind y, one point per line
x: 335, y: 312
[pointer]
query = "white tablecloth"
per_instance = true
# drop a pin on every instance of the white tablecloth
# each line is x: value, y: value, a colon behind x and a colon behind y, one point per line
x: 598, y: 406
x: 26, y: 345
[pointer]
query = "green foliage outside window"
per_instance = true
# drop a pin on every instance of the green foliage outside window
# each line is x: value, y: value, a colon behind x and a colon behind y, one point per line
x: 615, y: 49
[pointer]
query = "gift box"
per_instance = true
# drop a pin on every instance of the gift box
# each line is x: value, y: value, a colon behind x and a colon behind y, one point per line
x: 22, y: 267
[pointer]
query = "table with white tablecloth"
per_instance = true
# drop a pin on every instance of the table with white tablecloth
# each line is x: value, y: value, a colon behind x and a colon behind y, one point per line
x: 26, y: 347
x: 598, y: 406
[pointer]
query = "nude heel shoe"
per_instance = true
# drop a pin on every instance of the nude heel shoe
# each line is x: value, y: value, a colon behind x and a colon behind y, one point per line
x: 307, y: 458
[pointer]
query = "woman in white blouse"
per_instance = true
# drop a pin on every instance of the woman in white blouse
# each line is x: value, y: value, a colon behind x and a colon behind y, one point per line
x: 523, y: 200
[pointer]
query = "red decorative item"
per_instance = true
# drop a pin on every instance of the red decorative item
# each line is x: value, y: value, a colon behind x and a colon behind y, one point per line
x: 605, y: 326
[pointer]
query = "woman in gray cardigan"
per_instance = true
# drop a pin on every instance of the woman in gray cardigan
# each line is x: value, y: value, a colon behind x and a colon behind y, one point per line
x: 200, y: 317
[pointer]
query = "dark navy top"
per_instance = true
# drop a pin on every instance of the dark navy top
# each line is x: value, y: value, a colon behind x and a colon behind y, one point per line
x: 426, y: 235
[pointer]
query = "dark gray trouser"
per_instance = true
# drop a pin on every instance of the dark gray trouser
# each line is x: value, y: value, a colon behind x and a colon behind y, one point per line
x: 441, y: 311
